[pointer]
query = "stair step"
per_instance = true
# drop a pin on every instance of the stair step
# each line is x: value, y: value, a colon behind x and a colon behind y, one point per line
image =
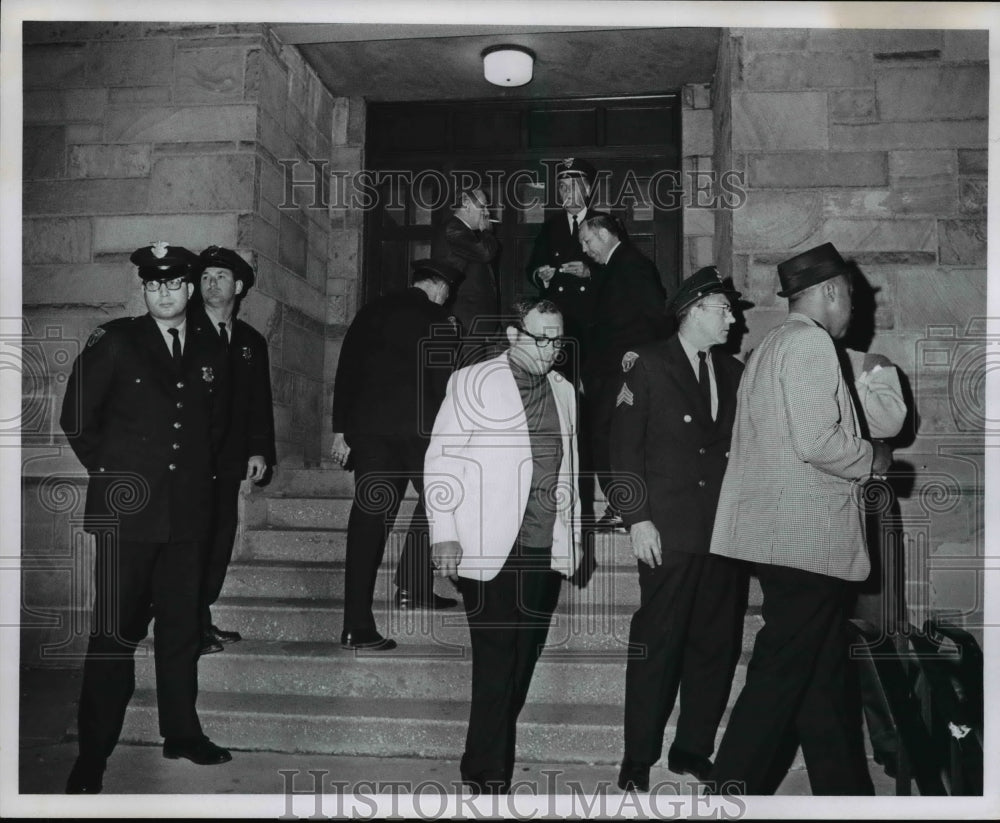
x: 311, y: 483
x: 574, y: 626
x: 418, y: 671
x: 372, y: 726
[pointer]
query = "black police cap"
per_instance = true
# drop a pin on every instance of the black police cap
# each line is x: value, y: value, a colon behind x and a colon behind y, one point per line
x: 702, y: 283
x: 161, y: 261
x: 219, y: 257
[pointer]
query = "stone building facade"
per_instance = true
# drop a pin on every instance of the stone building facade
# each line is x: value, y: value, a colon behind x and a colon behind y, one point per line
x: 137, y: 132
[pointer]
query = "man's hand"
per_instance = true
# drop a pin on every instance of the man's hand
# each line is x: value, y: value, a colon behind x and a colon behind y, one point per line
x: 544, y: 275
x: 445, y: 558
x: 646, y: 543
x: 256, y: 466
x: 577, y: 268
x: 882, y: 460
x: 340, y: 451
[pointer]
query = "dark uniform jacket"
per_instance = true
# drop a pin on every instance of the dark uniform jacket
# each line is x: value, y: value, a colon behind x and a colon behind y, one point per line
x: 145, y: 431
x: 629, y: 310
x: 394, y: 367
x: 473, y: 254
x: 662, y: 434
x: 575, y: 296
x: 251, y: 421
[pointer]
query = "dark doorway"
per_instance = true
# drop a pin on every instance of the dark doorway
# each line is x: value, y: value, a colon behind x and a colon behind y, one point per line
x: 417, y: 152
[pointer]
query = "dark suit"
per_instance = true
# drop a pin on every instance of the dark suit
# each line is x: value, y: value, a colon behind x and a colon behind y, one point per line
x: 628, y: 313
x: 146, y: 432
x: 473, y: 253
x: 250, y: 432
x: 688, y: 629
x: 391, y: 377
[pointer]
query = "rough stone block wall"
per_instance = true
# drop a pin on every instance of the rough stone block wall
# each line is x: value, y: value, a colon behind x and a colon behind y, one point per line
x: 876, y: 141
x: 697, y: 165
x: 137, y: 132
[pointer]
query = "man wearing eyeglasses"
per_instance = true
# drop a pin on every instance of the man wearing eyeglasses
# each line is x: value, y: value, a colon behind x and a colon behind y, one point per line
x: 466, y: 242
x: 145, y: 409
x: 500, y: 483
x: 670, y: 440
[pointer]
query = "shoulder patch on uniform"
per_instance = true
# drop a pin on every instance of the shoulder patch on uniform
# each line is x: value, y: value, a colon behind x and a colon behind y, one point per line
x: 625, y: 396
x: 628, y: 360
x: 95, y: 335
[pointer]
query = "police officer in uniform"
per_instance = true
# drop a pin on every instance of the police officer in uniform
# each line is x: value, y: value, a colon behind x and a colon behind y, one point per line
x: 248, y: 449
x: 390, y: 382
x: 671, y: 430
x: 145, y: 408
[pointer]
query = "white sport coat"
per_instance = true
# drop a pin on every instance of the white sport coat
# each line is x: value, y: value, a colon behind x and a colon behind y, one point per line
x: 478, y: 466
x: 791, y: 495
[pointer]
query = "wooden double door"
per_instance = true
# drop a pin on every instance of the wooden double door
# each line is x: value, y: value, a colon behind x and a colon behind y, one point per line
x: 418, y: 154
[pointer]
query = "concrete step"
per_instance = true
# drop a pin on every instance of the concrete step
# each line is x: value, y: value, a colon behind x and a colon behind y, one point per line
x: 311, y: 483
x: 576, y: 625
x: 275, y: 578
x: 420, y: 671
x: 372, y: 726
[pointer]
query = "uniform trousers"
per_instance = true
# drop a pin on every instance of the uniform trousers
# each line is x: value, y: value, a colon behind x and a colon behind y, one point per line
x: 383, y: 465
x: 218, y: 549
x: 796, y: 683
x: 134, y: 581
x: 509, y: 619
x: 601, y: 393
x: 686, y: 635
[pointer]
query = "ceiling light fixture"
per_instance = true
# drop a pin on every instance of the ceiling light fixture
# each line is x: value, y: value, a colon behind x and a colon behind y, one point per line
x: 508, y: 65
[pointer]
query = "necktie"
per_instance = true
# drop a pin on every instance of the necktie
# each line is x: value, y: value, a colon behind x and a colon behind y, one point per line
x: 576, y: 227
x: 704, y: 388
x: 224, y: 335
x: 175, y: 347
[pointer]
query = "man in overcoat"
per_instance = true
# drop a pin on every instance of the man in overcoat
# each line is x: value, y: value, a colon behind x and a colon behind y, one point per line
x: 669, y: 444
x: 791, y: 504
x: 145, y: 410
x: 391, y: 376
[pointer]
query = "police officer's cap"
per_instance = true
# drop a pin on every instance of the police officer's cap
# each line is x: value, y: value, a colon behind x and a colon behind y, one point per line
x: 437, y: 268
x: 702, y: 283
x: 576, y: 167
x: 218, y: 257
x: 163, y: 262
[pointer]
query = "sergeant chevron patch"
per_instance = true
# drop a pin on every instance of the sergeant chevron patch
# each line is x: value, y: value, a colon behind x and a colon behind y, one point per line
x: 625, y: 396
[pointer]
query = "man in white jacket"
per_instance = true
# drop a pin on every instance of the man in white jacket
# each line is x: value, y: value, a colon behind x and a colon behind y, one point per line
x: 500, y: 479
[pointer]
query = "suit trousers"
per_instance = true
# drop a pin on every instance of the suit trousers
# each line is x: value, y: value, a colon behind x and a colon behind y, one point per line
x: 509, y: 619
x: 218, y: 549
x: 797, y: 682
x: 134, y: 581
x: 686, y: 635
x: 382, y: 468
x: 601, y: 394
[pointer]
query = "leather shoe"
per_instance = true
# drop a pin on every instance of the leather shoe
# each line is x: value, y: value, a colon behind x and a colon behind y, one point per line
x: 209, y: 645
x: 682, y: 762
x: 633, y: 776
x: 369, y: 641
x: 407, y: 601
x: 199, y: 750
x: 223, y: 636
x: 86, y: 776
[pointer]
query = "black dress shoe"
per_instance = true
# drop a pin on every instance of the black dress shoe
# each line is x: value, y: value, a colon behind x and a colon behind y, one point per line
x: 209, y: 645
x: 199, y: 750
x: 86, y: 776
x: 682, y: 762
x: 369, y: 641
x: 633, y: 776
x: 407, y: 601
x: 224, y: 636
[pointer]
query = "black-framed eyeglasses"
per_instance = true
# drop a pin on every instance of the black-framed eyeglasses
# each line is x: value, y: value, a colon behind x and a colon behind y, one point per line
x: 172, y: 285
x: 544, y: 342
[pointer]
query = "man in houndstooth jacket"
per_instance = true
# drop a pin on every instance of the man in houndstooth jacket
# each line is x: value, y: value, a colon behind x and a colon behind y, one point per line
x: 790, y: 503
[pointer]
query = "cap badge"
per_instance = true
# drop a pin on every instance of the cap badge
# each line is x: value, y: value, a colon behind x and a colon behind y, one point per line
x: 159, y: 249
